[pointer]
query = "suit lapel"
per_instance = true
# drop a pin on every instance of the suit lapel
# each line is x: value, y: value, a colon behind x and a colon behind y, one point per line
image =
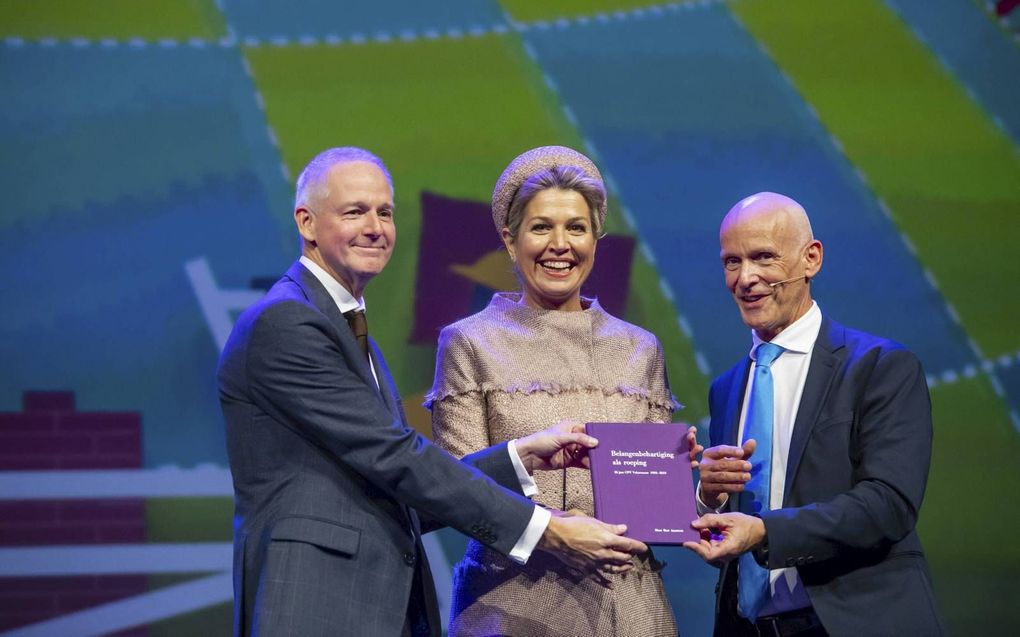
x: 734, y: 401
x: 317, y: 294
x: 816, y: 389
x: 320, y: 298
x: 390, y: 396
x: 387, y: 387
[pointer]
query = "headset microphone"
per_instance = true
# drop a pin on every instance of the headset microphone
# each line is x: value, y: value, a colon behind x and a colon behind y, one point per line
x: 785, y: 281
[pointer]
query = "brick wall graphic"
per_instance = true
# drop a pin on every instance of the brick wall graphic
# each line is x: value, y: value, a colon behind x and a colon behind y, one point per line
x: 73, y: 553
x: 50, y: 434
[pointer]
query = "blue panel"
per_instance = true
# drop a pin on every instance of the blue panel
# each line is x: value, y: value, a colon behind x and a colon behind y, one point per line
x: 107, y: 196
x: 138, y: 120
x: 689, y: 117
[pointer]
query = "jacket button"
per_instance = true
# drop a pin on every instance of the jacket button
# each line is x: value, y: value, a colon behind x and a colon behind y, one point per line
x: 409, y: 558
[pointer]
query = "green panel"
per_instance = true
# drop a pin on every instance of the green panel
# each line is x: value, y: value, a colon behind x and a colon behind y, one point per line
x: 214, y: 620
x: 445, y: 115
x: 968, y: 513
x: 119, y: 19
x: 650, y: 309
x: 527, y: 10
x: 474, y: 104
x: 949, y: 175
x: 647, y: 307
x: 189, y: 519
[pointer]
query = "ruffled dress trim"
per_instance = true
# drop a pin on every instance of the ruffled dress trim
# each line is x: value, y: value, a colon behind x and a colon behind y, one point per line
x: 553, y: 389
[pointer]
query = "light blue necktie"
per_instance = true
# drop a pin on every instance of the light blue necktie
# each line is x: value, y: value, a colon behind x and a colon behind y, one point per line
x: 753, y: 580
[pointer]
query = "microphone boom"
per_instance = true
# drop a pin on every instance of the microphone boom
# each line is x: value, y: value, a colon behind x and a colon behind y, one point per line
x: 785, y: 281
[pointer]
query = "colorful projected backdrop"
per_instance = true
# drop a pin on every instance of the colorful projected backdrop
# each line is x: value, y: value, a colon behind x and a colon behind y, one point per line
x: 147, y: 165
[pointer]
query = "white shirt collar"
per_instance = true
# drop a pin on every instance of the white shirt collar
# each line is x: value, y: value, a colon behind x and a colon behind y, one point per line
x: 799, y: 337
x: 343, y: 299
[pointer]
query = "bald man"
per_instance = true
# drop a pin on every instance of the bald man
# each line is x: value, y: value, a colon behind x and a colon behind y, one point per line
x: 820, y: 445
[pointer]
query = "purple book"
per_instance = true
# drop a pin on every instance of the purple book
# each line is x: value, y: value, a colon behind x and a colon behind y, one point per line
x: 641, y: 475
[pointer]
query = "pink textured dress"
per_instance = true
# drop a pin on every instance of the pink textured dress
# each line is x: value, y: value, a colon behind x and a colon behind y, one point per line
x: 512, y: 370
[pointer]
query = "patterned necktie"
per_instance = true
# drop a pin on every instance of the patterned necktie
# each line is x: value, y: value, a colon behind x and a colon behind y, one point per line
x: 753, y: 580
x: 359, y: 325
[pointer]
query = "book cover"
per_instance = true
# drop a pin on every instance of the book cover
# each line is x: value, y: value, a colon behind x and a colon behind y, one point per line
x: 641, y: 475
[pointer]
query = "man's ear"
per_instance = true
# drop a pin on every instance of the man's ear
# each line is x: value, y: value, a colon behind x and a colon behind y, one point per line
x: 305, y: 220
x: 813, y: 256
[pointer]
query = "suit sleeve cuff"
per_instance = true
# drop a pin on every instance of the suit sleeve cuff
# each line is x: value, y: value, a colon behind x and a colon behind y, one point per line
x: 532, y: 534
x: 528, y: 486
x: 704, y: 508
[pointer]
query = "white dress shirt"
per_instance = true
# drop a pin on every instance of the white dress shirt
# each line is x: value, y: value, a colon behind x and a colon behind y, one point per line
x: 540, y: 518
x: 789, y: 373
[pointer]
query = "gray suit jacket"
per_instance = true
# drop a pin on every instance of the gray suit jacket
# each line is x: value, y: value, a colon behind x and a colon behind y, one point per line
x: 855, y: 478
x: 332, y: 487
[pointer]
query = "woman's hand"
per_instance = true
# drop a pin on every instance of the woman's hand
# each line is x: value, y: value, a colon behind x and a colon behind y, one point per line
x: 563, y: 445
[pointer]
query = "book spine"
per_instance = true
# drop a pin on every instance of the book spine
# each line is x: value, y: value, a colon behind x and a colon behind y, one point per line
x: 595, y: 461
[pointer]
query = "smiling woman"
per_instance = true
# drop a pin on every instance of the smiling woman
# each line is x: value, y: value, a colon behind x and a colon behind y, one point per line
x: 553, y: 247
x: 529, y: 360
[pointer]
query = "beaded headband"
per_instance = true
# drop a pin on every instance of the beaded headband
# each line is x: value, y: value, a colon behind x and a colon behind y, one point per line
x: 527, y: 164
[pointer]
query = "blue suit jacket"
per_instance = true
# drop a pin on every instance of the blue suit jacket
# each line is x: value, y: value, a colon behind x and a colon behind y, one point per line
x: 855, y: 479
x: 331, y: 484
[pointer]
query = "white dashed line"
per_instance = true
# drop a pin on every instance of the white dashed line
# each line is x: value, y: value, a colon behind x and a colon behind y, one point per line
x: 666, y: 290
x: 685, y: 327
x: 703, y: 366
x: 949, y: 376
x: 407, y: 35
x: 910, y: 244
x: 646, y: 252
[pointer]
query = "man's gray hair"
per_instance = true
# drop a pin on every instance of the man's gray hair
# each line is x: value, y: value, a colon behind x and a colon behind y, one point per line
x: 562, y: 178
x: 312, y: 184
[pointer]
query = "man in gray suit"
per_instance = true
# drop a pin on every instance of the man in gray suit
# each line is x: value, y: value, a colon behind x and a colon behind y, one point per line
x: 333, y: 488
